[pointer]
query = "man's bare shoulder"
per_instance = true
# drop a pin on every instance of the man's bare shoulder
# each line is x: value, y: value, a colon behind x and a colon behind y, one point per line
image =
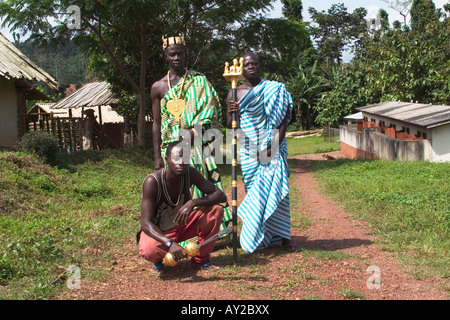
x: 196, y: 178
x: 242, y: 90
x: 152, y: 178
x: 159, y: 87
x: 244, y: 86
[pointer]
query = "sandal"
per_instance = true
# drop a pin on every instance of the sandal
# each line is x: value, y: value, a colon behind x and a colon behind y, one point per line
x: 291, y: 247
x: 159, y: 268
x: 208, y: 265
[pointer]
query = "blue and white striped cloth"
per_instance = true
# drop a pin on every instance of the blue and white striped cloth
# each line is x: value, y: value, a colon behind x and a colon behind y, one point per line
x: 265, y: 209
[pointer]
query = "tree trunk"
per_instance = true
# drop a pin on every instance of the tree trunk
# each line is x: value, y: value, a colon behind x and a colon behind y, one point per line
x: 141, y: 117
x: 142, y: 102
x: 139, y: 89
x: 298, y: 116
x: 308, y: 117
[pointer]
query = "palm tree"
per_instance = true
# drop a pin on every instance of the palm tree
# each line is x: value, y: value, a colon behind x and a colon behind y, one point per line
x: 306, y: 88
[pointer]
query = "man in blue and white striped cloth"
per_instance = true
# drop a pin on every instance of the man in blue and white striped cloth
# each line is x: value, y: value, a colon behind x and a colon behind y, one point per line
x: 265, y: 109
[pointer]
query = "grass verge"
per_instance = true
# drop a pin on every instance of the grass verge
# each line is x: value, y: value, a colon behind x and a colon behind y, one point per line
x: 309, y: 145
x: 68, y: 214
x: 406, y: 203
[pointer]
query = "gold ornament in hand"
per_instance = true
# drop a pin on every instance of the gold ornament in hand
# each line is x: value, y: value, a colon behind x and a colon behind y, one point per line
x: 169, y: 260
x: 191, y: 249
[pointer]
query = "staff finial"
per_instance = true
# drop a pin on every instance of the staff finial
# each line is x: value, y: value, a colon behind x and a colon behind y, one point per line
x: 234, y: 73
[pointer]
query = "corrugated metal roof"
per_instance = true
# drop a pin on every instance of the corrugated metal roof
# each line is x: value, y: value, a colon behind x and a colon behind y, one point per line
x: 354, y: 116
x: 91, y: 95
x: 108, y: 114
x: 15, y: 65
x: 419, y: 114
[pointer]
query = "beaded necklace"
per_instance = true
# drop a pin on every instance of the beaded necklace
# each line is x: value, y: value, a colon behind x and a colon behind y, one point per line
x: 166, y: 193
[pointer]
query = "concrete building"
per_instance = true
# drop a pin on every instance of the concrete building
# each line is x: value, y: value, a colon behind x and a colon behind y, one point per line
x: 399, y: 131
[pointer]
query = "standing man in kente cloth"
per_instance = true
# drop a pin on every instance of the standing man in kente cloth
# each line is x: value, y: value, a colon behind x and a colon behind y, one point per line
x: 184, y: 99
x: 264, y: 110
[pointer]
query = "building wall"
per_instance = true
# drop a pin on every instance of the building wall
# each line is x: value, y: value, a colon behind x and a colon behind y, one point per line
x: 8, y: 113
x: 399, y: 125
x: 355, y: 139
x: 441, y: 143
x: 371, y: 143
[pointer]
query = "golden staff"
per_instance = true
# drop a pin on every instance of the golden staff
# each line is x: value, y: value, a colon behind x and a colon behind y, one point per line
x: 192, y: 249
x: 233, y: 74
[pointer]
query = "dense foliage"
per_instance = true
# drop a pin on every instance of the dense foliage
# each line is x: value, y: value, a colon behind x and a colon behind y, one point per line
x: 123, y: 42
x: 408, y: 63
x: 67, y: 63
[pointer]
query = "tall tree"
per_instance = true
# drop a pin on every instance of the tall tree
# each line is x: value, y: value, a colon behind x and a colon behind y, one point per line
x: 423, y: 13
x: 402, y: 7
x: 282, y: 44
x: 335, y: 29
x: 125, y: 36
x: 394, y: 64
x: 292, y: 9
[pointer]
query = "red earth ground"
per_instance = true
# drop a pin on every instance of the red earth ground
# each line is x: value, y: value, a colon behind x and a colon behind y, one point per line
x: 338, y: 254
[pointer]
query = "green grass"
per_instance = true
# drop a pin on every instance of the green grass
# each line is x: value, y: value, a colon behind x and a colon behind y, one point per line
x: 54, y: 217
x: 307, y: 145
x: 406, y: 203
x: 350, y: 294
x: 82, y: 210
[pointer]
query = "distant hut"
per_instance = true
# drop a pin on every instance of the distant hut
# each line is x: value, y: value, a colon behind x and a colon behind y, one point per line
x: 16, y: 70
x: 95, y: 96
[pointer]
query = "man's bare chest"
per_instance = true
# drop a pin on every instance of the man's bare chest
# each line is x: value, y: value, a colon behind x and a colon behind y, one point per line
x: 241, y: 92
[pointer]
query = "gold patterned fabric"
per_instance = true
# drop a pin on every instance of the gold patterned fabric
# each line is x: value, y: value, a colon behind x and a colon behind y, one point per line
x: 202, y: 107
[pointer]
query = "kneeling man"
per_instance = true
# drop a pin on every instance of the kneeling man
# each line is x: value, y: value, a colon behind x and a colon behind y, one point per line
x: 170, y: 216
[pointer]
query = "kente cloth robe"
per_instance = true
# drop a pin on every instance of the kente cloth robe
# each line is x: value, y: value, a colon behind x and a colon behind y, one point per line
x: 203, y: 110
x: 265, y: 210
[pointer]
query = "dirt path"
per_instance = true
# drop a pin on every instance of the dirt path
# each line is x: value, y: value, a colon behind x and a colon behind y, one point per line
x: 333, y: 229
x: 338, y: 254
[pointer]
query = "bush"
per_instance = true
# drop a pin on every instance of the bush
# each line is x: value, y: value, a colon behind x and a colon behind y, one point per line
x: 40, y: 142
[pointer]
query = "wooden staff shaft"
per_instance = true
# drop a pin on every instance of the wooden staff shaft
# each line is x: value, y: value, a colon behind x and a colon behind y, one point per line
x: 234, y: 119
x: 233, y: 75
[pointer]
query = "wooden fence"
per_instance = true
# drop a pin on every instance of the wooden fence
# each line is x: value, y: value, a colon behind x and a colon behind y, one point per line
x: 331, y: 134
x: 67, y: 130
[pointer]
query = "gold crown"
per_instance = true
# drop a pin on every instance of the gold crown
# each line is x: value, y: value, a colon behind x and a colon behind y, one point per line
x: 172, y: 40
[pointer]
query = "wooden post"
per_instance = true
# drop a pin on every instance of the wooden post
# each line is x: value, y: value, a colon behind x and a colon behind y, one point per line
x: 100, y: 115
x: 60, y: 136
x: 69, y: 129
